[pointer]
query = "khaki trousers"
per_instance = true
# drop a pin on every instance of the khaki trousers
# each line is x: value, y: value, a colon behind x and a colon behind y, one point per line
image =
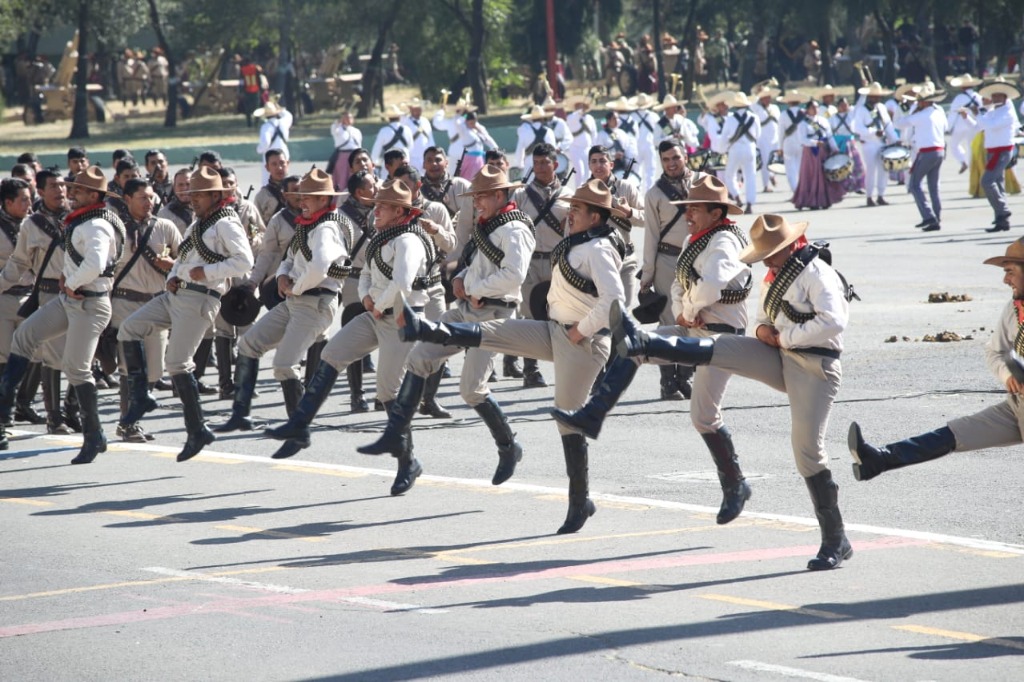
x: 189, y: 316
x: 538, y: 273
x: 664, y: 276
x: 362, y: 335
x: 291, y: 327
x: 993, y: 427
x: 9, y: 321
x: 576, y: 366
x: 154, y: 345
x: 426, y: 358
x: 82, y: 321
x: 630, y: 284
x: 810, y: 381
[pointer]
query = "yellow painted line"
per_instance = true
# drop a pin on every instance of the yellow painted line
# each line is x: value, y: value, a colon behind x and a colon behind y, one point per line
x: 139, y: 515
x: 601, y: 580
x: 31, y: 503
x: 131, y: 583
x: 322, y: 472
x: 773, y: 606
x: 209, y: 459
x: 271, y: 533
x: 987, y: 553
x: 960, y: 636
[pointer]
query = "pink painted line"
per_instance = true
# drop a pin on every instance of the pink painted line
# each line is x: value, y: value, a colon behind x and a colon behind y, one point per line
x: 234, y: 606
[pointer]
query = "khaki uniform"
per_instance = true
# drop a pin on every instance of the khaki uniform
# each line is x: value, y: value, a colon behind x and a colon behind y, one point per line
x: 451, y: 192
x: 408, y: 258
x: 12, y: 297
x: 280, y: 230
x: 190, y: 312
x: 662, y: 252
x: 500, y: 287
x: 361, y: 218
x: 630, y: 264
x: 548, y: 232
x: 445, y: 242
x: 178, y: 213
x: 254, y: 228
x: 268, y: 201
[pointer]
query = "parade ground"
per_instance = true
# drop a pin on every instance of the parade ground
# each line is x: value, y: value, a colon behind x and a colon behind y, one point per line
x: 235, y: 566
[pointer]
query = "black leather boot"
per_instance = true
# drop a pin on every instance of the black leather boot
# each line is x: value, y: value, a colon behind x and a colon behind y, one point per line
x: 140, y: 401
x: 510, y: 367
x: 509, y: 451
x: 669, y: 385
x: 684, y: 379
x: 51, y: 401
x: 201, y: 358
x: 312, y: 360
x: 23, y: 411
x: 292, y: 390
x: 71, y: 409
x: 94, y: 442
x: 629, y: 340
x: 869, y: 461
x: 589, y: 418
x: 409, y: 469
x: 225, y: 363
x: 735, y: 489
x: 581, y: 507
x: 246, y: 371
x: 14, y: 372
x: 532, y: 378
x: 396, y: 437
x: 412, y: 327
x: 199, y: 436
x: 295, y: 431
x: 429, y: 406
x: 367, y: 363
x: 354, y: 373
x: 834, y: 545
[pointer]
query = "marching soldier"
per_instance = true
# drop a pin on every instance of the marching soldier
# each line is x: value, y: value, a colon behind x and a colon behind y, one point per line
x: 872, y: 123
x: 768, y: 115
x: 159, y: 71
x: 558, y: 125
x: 631, y: 214
x: 584, y: 286
x: 546, y: 201
x: 450, y: 191
x: 739, y: 140
x: 93, y: 241
x: 308, y: 279
x: 151, y: 247
x: 422, y: 132
x: 78, y: 161
x: 159, y: 179
x: 399, y: 259
x: 280, y: 230
x: 270, y: 199
x: 583, y: 129
x: 178, y: 208
x: 125, y: 170
x: 393, y: 135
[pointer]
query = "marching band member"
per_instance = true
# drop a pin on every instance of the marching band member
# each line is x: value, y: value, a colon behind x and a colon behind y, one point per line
x: 768, y: 116
x: 872, y: 124
x: 927, y: 123
x: 740, y: 133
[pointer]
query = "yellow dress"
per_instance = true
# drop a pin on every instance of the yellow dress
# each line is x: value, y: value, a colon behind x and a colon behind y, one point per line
x: 978, y: 161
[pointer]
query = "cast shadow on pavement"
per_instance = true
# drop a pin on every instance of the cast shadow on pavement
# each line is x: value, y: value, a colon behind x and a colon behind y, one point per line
x: 67, y: 488
x: 139, y: 503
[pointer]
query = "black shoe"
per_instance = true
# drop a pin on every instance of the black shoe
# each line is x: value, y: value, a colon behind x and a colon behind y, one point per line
x: 433, y: 409
x: 207, y: 390
x: 290, y: 448
x: 358, y: 405
x: 405, y: 479
x: 92, y: 445
x: 510, y: 368
x: 195, y: 443
x: 446, y: 373
x: 577, y: 517
x: 534, y: 379
x: 235, y: 423
x: 29, y: 415
x: 378, y: 406
x: 925, y: 223
x: 508, y: 458
x: 162, y: 385
x: 931, y: 227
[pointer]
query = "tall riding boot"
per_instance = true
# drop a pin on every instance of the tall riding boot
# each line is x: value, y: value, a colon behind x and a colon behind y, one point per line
x: 509, y: 451
x: 367, y: 363
x: 630, y: 341
x: 735, y: 489
x: 581, y: 507
x: 51, y: 401
x: 669, y: 385
x: 869, y: 461
x: 510, y: 367
x: 245, y: 372
x: 590, y: 417
x: 532, y: 378
x: 199, y: 436
x: 354, y: 372
x: 412, y: 327
x: 395, y: 439
x: 313, y: 359
x: 225, y: 363
x: 71, y: 409
x: 94, y: 442
x: 834, y: 545
x: 409, y: 468
x: 430, y: 406
x: 141, y: 402
x: 295, y: 431
x: 292, y: 390
x: 684, y: 379
x: 23, y: 411
x: 14, y: 372
x: 201, y: 358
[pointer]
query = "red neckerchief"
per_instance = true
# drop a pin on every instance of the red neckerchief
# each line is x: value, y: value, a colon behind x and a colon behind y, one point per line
x: 1019, y: 305
x: 509, y: 207
x: 313, y: 218
x: 799, y: 243
x: 724, y: 221
x: 80, y: 211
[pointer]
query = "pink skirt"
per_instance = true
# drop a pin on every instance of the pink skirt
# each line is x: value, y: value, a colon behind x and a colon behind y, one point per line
x: 814, y: 190
x: 471, y: 165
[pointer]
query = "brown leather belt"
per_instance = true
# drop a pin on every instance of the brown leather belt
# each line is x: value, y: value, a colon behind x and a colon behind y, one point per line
x: 132, y: 295
x: 669, y: 249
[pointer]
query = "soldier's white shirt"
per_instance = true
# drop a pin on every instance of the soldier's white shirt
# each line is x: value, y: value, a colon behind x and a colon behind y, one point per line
x: 393, y: 135
x: 598, y: 261
x: 719, y: 267
x: 422, y: 138
x: 527, y: 134
x: 735, y: 121
x: 268, y: 137
x: 226, y: 237
x: 327, y: 246
x: 768, y: 117
x: 96, y: 241
x: 563, y: 136
x: 816, y: 129
x: 617, y: 141
x: 143, y: 276
x: 485, y: 279
x: 453, y: 125
x: 816, y: 289
x: 348, y: 138
x: 1000, y: 344
x: 582, y: 128
x: 967, y: 98
x: 867, y: 121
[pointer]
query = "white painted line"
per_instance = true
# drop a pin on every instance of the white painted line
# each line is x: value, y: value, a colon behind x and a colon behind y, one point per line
x: 284, y: 589
x: 791, y: 672
x: 971, y: 543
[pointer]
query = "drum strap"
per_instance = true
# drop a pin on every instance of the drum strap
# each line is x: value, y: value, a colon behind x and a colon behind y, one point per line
x: 744, y: 123
x: 794, y: 121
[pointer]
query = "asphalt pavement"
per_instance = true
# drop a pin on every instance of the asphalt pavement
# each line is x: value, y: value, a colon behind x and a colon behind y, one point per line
x: 234, y: 566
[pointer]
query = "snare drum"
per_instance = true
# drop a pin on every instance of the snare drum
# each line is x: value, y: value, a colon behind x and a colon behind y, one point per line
x: 1016, y: 152
x: 776, y: 163
x: 838, y: 167
x: 716, y: 161
x: 695, y: 161
x: 563, y: 165
x: 895, y: 157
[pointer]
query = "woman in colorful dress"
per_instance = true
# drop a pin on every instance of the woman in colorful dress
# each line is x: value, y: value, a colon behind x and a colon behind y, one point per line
x: 814, y: 190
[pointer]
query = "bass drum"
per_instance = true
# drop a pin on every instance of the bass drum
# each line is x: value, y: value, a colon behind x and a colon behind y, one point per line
x: 776, y: 163
x: 564, y: 164
x: 838, y: 167
x: 895, y: 157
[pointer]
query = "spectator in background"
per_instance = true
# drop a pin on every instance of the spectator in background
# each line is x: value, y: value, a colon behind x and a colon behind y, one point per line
x: 967, y: 37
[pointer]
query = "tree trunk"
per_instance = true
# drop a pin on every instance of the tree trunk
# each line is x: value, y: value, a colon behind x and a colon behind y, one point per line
x: 80, y: 117
x: 475, y: 67
x: 286, y: 66
x: 171, y: 116
x: 373, y: 77
x: 690, y: 41
x: 888, y: 78
x: 827, y: 67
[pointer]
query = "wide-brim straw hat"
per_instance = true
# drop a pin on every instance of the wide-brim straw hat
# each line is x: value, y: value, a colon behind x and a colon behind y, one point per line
x: 793, y: 97
x: 462, y: 106
x: 396, y: 193
x: 315, y: 183
x: 576, y: 102
x: 644, y: 101
x: 768, y: 235
x: 740, y: 100
x: 415, y: 103
x: 1014, y: 254
x: 874, y: 90
x: 268, y: 110
x: 965, y: 81
x: 925, y: 93
x: 92, y: 179
x: 765, y: 91
x: 710, y: 190
x: 669, y: 101
x: 902, y: 90
x: 622, y: 105
x: 550, y: 105
x: 825, y: 91
x: 536, y: 113
x: 595, y: 192
x: 392, y: 113
x: 205, y: 179
x: 723, y: 96
x: 1000, y: 87
x: 490, y: 179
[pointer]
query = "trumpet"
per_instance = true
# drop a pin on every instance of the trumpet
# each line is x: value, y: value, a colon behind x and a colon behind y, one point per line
x: 675, y: 83
x: 864, y: 71
x: 444, y: 96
